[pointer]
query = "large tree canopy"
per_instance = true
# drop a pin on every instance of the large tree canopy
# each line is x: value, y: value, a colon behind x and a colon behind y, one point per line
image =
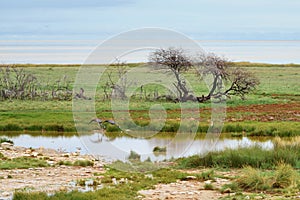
x: 175, y: 60
x: 239, y: 81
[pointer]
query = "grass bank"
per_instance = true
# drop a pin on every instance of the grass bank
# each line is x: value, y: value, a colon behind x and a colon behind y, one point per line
x: 257, y: 157
x: 21, y: 162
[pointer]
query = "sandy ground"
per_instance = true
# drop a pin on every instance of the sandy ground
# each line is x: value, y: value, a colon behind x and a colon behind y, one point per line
x: 49, y: 179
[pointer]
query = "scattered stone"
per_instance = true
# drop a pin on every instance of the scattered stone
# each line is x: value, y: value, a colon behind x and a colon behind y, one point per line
x: 34, y: 154
x: 63, y: 188
x: 7, y: 145
x: 150, y: 176
x: 122, y: 180
x: 258, y: 197
x: 67, y: 155
x: 28, y: 151
x: 114, y: 181
x: 5, y: 194
x: 190, y: 178
x: 50, y: 162
x: 227, y: 190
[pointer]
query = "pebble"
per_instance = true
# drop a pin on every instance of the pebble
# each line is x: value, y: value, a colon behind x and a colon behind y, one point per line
x: 191, y: 178
x: 28, y: 151
x: 5, y: 194
x: 34, y: 154
x: 258, y: 197
x: 6, y: 144
x: 114, y: 180
x: 150, y: 176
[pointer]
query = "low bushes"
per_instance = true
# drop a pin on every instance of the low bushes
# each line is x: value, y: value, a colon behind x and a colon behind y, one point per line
x: 254, y: 179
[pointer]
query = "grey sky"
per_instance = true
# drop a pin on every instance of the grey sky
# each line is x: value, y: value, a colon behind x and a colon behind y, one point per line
x: 207, y: 19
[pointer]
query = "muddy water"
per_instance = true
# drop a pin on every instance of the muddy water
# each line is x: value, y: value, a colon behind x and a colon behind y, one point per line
x: 120, y: 147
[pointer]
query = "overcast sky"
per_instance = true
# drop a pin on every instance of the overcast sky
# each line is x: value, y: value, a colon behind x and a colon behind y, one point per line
x: 200, y: 19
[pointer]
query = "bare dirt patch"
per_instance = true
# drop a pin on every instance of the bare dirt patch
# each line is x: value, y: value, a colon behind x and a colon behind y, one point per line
x: 266, y: 112
x: 46, y: 179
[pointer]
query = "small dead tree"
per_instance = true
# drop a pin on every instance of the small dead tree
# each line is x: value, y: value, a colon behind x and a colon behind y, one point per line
x: 15, y: 83
x: 176, y: 61
x: 240, y: 81
x: 122, y: 84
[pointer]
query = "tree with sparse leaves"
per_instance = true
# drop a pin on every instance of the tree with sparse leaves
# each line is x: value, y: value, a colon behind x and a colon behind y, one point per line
x: 175, y: 60
x: 240, y: 82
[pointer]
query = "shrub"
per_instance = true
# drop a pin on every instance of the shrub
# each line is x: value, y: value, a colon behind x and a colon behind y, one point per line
x: 65, y: 162
x: 232, y: 187
x: 285, y: 176
x: 160, y: 149
x: 252, y: 179
x: 83, y: 163
x: 2, y: 140
x: 134, y: 156
x: 208, y: 186
x: 204, y: 176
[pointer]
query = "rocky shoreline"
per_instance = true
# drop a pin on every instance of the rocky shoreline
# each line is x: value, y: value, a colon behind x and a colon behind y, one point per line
x: 55, y: 177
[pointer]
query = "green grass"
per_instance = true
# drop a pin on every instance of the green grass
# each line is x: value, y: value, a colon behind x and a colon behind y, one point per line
x: 21, y: 163
x: 17, y: 115
x: 82, y: 163
x: 256, y: 180
x: 284, y: 151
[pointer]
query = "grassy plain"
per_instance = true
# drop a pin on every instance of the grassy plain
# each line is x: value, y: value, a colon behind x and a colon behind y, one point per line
x: 264, y: 112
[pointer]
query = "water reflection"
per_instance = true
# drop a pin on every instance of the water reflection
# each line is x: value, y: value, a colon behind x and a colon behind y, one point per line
x: 120, y: 147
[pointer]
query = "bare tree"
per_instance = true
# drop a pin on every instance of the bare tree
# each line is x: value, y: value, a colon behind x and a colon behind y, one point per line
x: 175, y: 60
x: 17, y: 83
x: 240, y: 81
x: 122, y: 84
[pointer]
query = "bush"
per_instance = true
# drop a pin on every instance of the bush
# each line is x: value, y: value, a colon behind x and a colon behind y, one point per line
x: 65, y: 162
x: 208, y: 186
x: 252, y: 179
x: 2, y: 140
x: 232, y: 187
x: 83, y: 163
x: 285, y: 176
x: 134, y: 156
x: 160, y: 149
